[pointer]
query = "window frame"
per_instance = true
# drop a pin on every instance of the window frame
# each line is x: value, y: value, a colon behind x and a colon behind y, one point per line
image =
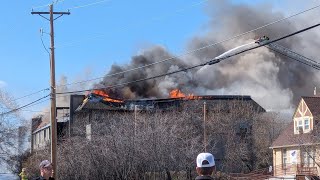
x: 284, y: 158
x: 307, y: 120
x: 45, y: 134
x: 298, y: 125
x: 303, y: 123
x: 308, y: 161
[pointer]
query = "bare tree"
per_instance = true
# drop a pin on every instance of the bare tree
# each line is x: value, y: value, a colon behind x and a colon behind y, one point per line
x: 9, y: 131
x: 163, y: 144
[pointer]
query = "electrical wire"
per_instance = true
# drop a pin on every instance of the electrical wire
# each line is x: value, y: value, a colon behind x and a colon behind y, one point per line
x: 90, y: 4
x: 100, y: 36
x: 16, y: 109
x: 41, y: 6
x: 43, y: 44
x: 42, y: 90
x: 213, y: 61
x: 47, y: 5
x: 195, y: 50
x: 30, y: 110
x: 38, y: 103
x: 137, y: 24
x: 58, y: 1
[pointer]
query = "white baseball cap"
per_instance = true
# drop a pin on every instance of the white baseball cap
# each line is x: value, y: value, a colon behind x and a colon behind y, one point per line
x: 44, y: 163
x: 205, y: 160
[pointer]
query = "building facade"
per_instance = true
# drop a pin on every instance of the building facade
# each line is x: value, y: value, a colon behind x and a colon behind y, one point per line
x: 89, y: 115
x: 296, y: 151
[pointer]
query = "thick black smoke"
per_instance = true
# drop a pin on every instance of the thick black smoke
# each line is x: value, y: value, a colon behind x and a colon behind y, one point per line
x: 274, y: 81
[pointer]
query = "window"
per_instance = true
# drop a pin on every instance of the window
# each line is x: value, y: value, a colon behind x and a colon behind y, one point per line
x: 37, y: 138
x: 299, y: 126
x: 308, y: 156
x: 44, y: 134
x: 244, y: 131
x: 34, y: 140
x: 284, y: 158
x: 48, y: 134
x: 306, y: 124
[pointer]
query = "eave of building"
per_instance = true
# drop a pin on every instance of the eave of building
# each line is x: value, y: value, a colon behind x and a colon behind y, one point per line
x: 40, y: 129
x: 294, y: 145
x: 126, y: 104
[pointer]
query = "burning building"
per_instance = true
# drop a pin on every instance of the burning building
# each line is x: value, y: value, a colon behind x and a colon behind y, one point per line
x: 96, y: 114
x: 91, y: 114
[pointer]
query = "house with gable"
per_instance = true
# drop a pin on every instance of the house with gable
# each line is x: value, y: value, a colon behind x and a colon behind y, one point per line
x: 296, y: 151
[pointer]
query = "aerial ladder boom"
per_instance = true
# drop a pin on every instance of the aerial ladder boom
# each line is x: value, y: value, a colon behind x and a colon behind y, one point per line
x: 289, y: 53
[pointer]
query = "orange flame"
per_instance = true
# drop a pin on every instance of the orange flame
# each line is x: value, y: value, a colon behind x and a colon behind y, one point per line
x: 106, y: 96
x: 176, y: 93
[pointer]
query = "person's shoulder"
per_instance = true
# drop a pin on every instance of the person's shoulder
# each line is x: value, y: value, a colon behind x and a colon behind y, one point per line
x: 204, y: 178
x: 40, y: 178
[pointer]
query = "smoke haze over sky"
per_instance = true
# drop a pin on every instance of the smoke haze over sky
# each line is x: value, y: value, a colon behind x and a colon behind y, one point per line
x: 93, y: 38
x: 274, y: 81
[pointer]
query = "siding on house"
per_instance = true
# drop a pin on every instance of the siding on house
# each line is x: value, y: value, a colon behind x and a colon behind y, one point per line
x: 298, y: 137
x: 41, y: 138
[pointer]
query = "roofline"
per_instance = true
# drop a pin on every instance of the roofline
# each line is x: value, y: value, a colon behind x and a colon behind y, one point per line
x: 297, y: 107
x: 293, y: 145
x: 44, y: 127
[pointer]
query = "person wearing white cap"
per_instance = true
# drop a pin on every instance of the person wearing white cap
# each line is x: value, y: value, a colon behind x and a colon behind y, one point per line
x: 46, y: 171
x: 205, y: 166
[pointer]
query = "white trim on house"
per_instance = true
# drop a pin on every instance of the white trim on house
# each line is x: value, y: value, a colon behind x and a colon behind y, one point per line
x: 44, y: 127
x: 294, y: 145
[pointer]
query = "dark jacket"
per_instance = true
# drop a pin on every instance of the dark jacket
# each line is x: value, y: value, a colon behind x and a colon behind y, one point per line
x: 204, y: 178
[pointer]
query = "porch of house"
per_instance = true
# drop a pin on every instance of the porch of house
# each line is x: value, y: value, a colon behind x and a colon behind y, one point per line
x: 297, y: 170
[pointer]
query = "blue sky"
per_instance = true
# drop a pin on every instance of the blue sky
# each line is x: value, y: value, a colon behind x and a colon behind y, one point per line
x: 93, y: 37
x: 90, y: 39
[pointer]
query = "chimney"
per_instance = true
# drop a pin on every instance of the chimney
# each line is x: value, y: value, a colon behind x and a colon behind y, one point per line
x: 315, y: 91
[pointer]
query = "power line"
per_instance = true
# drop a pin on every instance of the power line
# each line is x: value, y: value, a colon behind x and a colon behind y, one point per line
x: 16, y: 109
x: 90, y: 4
x: 195, y: 50
x: 47, y: 5
x: 39, y: 102
x: 42, y: 90
x: 41, y: 6
x: 44, y: 46
x: 213, y: 61
x: 139, y: 25
x: 30, y: 110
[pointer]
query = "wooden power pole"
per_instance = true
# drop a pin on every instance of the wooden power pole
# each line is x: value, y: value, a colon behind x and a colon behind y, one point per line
x: 204, y: 126
x: 53, y: 119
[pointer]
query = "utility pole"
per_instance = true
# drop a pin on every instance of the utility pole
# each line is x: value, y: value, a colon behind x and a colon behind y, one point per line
x: 204, y: 126
x: 53, y: 119
x: 135, y: 120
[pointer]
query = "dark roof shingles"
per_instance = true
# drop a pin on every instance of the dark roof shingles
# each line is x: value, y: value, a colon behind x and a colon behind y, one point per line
x: 313, y: 104
x: 288, y: 138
